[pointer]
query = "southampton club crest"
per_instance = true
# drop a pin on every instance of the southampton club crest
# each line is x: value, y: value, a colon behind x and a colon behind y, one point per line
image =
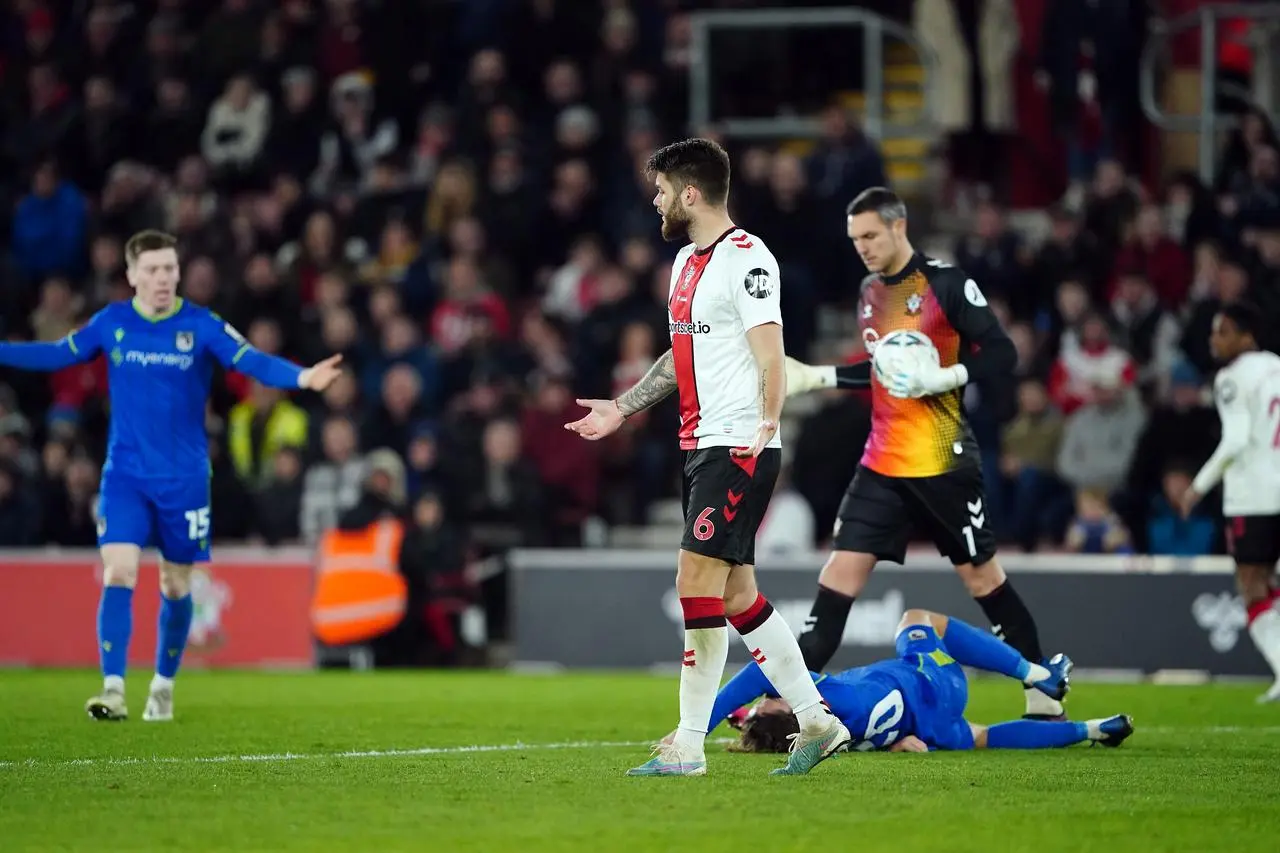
x: 185, y: 342
x: 759, y: 283
x: 914, y: 302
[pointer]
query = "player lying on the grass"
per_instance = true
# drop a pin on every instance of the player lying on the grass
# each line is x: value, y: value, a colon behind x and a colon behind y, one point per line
x: 160, y: 353
x: 917, y: 702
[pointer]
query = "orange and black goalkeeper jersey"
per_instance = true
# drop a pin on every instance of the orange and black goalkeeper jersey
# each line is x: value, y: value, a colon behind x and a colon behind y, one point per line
x: 929, y: 436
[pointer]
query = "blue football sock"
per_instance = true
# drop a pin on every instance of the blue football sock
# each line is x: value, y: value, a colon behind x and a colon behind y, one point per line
x: 171, y: 639
x: 1034, y: 734
x: 974, y: 647
x: 115, y: 624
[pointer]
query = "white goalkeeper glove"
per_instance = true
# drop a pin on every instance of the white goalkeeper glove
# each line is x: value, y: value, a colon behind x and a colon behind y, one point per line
x: 803, y: 378
x: 928, y: 380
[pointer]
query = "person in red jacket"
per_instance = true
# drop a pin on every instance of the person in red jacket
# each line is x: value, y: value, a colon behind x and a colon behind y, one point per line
x: 1087, y: 360
x: 1149, y: 248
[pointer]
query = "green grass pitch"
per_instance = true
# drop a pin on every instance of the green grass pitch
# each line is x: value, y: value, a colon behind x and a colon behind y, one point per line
x: 382, y: 762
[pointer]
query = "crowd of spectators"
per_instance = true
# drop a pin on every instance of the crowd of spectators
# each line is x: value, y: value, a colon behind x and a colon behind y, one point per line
x: 452, y: 196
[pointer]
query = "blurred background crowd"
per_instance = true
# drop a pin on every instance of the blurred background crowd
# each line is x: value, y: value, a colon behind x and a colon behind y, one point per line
x: 452, y: 196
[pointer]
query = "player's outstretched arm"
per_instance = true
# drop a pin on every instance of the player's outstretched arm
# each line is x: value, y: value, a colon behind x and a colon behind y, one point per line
x: 76, y: 348
x: 606, y: 416
x: 235, y: 353
x: 747, y: 686
x: 803, y: 378
x: 40, y: 355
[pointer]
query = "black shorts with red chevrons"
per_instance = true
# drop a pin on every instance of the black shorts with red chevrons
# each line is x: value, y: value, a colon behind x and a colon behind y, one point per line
x: 725, y: 499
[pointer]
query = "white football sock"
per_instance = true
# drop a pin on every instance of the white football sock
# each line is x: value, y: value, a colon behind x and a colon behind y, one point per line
x: 159, y: 682
x: 705, y: 653
x: 1035, y: 673
x: 1038, y: 703
x: 774, y: 648
x: 1265, y: 631
x: 113, y: 684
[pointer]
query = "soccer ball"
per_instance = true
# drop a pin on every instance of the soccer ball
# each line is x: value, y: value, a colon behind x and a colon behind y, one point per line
x: 902, y: 351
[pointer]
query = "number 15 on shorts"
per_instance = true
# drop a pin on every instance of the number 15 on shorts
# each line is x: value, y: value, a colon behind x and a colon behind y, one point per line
x: 197, y: 523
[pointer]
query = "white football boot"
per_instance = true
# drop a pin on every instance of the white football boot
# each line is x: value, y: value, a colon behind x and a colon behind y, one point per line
x: 107, y: 705
x: 159, y: 705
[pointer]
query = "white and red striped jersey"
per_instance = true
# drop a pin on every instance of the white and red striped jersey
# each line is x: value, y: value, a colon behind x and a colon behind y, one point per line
x: 717, y: 294
x: 1247, y: 460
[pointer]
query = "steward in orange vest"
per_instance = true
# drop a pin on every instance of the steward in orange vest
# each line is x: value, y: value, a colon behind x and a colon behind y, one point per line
x: 360, y: 591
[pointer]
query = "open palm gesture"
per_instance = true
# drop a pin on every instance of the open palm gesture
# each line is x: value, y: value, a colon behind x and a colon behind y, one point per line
x: 603, y: 420
x: 321, y: 375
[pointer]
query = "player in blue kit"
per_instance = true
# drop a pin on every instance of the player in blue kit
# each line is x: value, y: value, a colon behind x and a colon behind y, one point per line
x: 160, y: 352
x: 917, y: 702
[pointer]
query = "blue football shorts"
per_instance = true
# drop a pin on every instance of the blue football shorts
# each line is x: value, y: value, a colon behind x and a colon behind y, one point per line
x: 171, y: 514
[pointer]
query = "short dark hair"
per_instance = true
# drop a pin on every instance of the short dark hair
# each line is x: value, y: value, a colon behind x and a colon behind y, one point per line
x: 768, y: 733
x: 1245, y: 316
x: 881, y: 201
x: 147, y: 241
x: 699, y: 163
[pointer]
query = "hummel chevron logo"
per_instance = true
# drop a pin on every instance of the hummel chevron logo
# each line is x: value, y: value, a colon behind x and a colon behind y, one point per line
x: 734, y: 497
x: 976, y: 516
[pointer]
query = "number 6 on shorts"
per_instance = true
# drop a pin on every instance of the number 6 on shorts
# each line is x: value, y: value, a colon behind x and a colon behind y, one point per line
x: 703, y: 527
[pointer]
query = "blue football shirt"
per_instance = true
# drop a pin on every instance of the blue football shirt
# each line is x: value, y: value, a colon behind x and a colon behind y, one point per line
x: 159, y: 371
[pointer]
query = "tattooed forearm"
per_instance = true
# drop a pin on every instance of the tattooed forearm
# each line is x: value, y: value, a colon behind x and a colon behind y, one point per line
x: 773, y: 391
x: 655, y: 387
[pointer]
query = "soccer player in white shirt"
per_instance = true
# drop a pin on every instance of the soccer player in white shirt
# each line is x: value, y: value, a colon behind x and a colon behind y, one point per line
x: 1247, y: 461
x: 726, y: 363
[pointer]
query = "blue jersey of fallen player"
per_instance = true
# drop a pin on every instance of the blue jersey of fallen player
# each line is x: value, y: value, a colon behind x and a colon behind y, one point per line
x: 923, y: 693
x: 159, y: 370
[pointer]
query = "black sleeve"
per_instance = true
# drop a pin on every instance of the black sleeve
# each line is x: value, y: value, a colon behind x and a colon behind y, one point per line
x: 985, y: 350
x: 852, y: 376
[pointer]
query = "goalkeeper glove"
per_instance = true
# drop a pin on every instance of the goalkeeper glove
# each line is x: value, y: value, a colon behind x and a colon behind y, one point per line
x: 802, y: 378
x: 925, y: 381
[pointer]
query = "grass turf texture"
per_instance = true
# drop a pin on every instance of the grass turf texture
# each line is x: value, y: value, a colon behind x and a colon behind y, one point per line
x: 1199, y: 775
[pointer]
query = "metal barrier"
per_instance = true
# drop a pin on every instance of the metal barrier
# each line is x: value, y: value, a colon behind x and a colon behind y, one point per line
x: 874, y: 28
x: 1207, y: 122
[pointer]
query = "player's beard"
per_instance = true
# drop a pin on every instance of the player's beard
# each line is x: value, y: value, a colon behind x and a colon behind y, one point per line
x: 675, y: 224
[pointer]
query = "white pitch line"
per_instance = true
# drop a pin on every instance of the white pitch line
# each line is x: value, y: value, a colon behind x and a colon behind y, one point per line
x: 480, y: 748
x: 316, y: 756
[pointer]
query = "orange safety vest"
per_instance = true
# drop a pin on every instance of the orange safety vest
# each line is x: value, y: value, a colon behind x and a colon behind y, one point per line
x: 359, y: 593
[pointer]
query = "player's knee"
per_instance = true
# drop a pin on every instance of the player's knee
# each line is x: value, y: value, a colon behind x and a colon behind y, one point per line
x: 983, y: 578
x: 979, y: 735
x: 698, y: 576
x: 120, y: 574
x: 739, y: 600
x: 175, y: 580
x: 120, y: 566
x: 846, y: 572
